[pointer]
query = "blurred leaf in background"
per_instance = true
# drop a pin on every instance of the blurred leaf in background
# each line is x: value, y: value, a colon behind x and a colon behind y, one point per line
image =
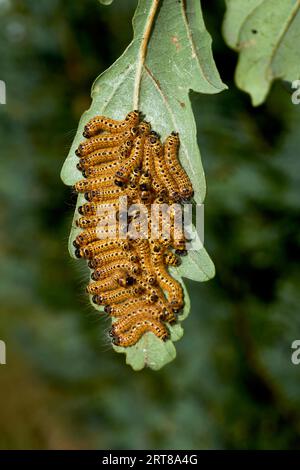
x: 265, y: 34
x: 233, y: 384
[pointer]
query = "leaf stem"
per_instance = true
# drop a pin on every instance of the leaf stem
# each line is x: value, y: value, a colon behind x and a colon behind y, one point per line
x: 143, y: 53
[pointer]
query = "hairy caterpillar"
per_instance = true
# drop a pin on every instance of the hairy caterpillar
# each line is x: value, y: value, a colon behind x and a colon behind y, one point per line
x: 126, y: 323
x: 144, y: 128
x: 167, y: 283
x: 94, y: 183
x: 155, y: 304
x: 134, y: 305
x: 95, y: 233
x: 100, y: 170
x: 108, y: 269
x: 93, y: 208
x: 117, y: 295
x: 183, y: 182
x: 141, y: 247
x: 100, y: 157
x: 171, y: 259
x: 136, y: 155
x: 103, y: 123
x: 134, y: 334
x: 125, y: 149
x: 103, y: 195
x: 165, y: 178
x: 118, y: 310
x: 92, y: 249
x: 112, y: 255
x: 103, y: 141
x: 94, y: 220
x: 152, y: 152
x: 119, y: 278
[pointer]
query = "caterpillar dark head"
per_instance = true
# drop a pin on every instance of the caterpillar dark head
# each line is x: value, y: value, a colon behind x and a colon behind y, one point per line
x: 145, y: 196
x: 181, y: 252
x: 129, y: 281
x: 155, y: 134
x: 134, y: 131
x: 125, y: 148
x: 176, y: 306
x: 76, y: 244
x: 176, y: 310
x: 153, y: 139
x: 186, y: 194
x: 144, y: 128
x: 77, y: 253
x: 119, y: 183
x: 126, y: 281
x: 162, y: 197
x: 153, y: 298
x: 156, y: 246
x: 95, y: 276
x: 111, y: 331
x: 132, y: 115
x: 78, y: 151
x: 96, y: 299
x: 145, y: 181
x: 120, y: 178
x: 175, y: 196
x: 116, y: 340
x: 92, y: 265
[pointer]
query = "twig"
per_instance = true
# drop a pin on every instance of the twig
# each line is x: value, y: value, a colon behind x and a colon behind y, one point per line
x: 143, y: 52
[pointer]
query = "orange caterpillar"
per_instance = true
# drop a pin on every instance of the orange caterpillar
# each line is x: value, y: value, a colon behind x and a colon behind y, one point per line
x: 119, y: 278
x: 99, y: 157
x: 171, y: 259
x: 130, y: 276
x: 116, y: 296
x: 91, y: 249
x: 142, y: 249
x: 132, y: 306
x: 104, y: 141
x: 94, y: 183
x: 165, y: 179
x: 183, y: 182
x: 93, y: 208
x: 134, y: 160
x: 98, y: 170
x: 112, y: 255
x: 108, y: 269
x: 140, y: 327
x: 127, y: 322
x: 102, y: 232
x: 171, y: 286
x: 103, y: 195
x: 94, y: 220
x: 102, y: 123
x: 152, y: 154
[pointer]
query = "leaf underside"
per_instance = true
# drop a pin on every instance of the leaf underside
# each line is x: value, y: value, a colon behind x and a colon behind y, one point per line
x: 178, y: 60
x: 266, y: 35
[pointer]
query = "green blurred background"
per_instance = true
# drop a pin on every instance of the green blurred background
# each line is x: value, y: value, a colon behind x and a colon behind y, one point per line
x: 233, y: 385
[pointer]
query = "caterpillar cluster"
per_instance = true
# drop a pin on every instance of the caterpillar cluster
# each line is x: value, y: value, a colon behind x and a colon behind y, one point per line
x: 130, y: 275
